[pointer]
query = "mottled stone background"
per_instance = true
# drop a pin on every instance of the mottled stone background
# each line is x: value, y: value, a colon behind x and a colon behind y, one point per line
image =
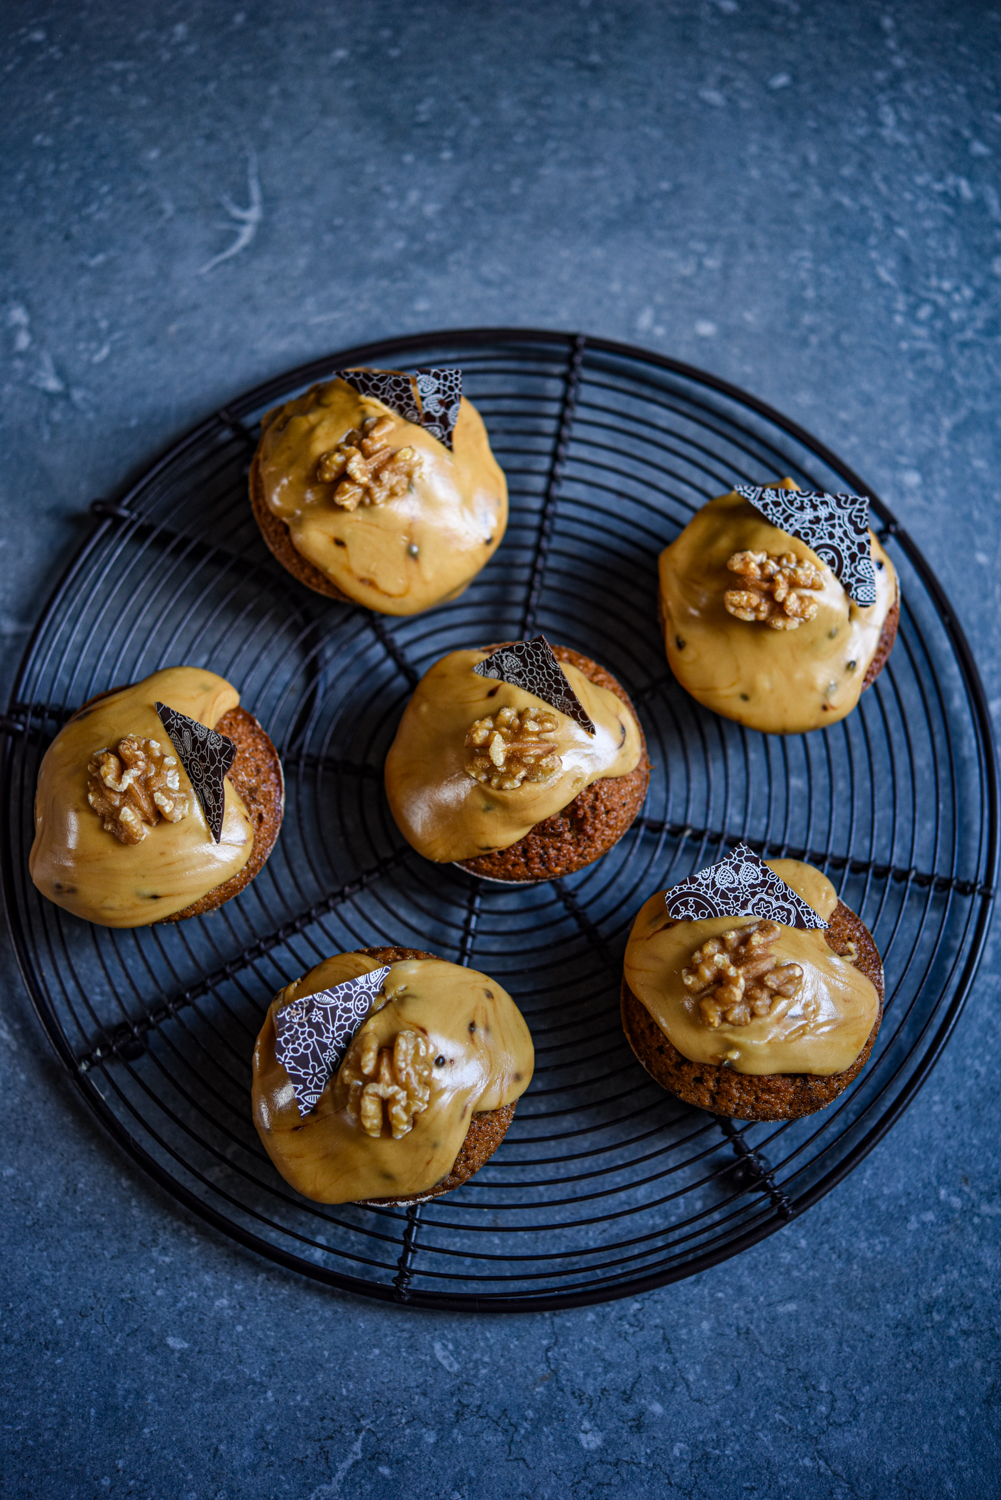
x: 801, y: 197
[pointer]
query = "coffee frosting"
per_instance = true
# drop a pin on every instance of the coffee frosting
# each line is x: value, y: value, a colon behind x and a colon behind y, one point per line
x: 486, y: 1061
x: 77, y: 864
x: 441, y: 810
x: 782, y: 682
x: 821, y: 1030
x: 411, y: 552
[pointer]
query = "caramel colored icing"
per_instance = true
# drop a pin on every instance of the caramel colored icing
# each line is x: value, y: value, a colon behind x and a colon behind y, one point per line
x: 483, y: 1060
x: 820, y: 1030
x: 447, y: 815
x: 783, y: 682
x: 411, y: 552
x: 83, y: 868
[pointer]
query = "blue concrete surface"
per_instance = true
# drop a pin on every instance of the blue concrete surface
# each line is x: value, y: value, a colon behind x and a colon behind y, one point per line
x: 800, y: 197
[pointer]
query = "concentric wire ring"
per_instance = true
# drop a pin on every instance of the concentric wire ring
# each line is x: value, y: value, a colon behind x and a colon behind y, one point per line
x: 604, y: 1185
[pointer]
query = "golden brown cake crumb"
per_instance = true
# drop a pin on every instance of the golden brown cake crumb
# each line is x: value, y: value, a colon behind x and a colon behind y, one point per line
x: 769, y: 1096
x: 784, y: 650
x: 121, y: 837
x: 485, y: 1131
x: 590, y: 825
x: 360, y: 503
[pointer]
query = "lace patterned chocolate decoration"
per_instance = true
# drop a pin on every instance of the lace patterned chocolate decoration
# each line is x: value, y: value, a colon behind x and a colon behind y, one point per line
x: 429, y: 398
x: 741, y: 885
x: 532, y: 666
x: 313, y: 1033
x: 836, y: 527
x: 206, y: 755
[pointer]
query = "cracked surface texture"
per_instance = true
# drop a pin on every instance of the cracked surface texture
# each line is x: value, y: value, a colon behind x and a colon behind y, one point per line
x: 800, y: 198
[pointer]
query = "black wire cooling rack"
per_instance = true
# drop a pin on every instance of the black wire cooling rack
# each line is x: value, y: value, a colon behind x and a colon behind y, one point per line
x: 605, y: 1185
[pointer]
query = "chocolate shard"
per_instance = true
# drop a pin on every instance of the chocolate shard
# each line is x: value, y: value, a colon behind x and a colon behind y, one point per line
x: 741, y: 885
x: 430, y: 397
x: 206, y: 755
x: 836, y: 527
x: 313, y: 1033
x: 532, y: 666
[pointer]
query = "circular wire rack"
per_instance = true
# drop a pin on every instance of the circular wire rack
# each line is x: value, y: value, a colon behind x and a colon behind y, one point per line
x: 605, y: 1185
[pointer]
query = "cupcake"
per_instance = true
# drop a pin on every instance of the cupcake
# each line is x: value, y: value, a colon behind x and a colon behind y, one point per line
x: 518, y: 762
x: 779, y: 608
x: 380, y: 488
x: 155, y: 802
x: 388, y: 1076
x: 763, y: 1016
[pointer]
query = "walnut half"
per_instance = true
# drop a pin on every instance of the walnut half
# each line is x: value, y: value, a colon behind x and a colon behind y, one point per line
x: 133, y: 786
x: 736, y: 977
x: 509, y: 747
x: 395, y: 1079
x: 773, y: 588
x: 365, y: 469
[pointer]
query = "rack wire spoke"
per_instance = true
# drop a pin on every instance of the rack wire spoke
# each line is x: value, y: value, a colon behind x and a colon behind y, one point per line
x: 605, y: 1185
